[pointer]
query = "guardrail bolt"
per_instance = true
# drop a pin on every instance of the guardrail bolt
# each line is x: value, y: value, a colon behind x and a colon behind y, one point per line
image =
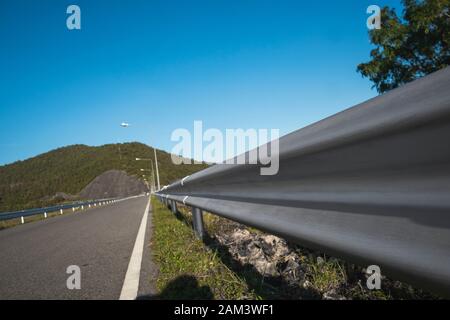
x: 197, y: 216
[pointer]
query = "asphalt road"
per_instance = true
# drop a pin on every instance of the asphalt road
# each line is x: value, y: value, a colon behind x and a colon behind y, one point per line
x: 34, y: 257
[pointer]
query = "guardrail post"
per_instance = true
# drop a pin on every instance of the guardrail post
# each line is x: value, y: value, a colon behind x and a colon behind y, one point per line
x: 73, y: 209
x: 197, y: 216
x: 45, y: 215
x: 82, y: 207
x: 174, y: 206
x: 60, y: 211
x: 22, y: 220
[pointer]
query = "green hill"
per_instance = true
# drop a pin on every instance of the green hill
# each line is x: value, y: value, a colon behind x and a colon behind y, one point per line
x: 35, y: 181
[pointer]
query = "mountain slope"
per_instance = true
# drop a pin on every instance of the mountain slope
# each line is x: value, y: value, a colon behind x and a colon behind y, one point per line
x: 31, y: 183
x: 113, y: 184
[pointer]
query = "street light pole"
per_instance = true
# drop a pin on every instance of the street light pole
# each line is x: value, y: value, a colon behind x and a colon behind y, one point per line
x: 153, y: 172
x: 157, y: 170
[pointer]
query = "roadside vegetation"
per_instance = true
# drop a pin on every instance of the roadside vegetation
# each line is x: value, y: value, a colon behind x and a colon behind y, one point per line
x: 239, y: 262
x: 188, y: 269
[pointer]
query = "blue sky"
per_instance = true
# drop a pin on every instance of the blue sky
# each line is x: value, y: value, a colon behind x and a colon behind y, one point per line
x: 160, y: 65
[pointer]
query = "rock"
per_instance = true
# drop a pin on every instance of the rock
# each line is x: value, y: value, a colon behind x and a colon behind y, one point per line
x: 320, y: 260
x: 269, y: 269
x: 332, y: 295
x: 291, y: 265
x: 239, y: 235
x: 268, y: 254
x: 113, y: 184
x: 291, y: 271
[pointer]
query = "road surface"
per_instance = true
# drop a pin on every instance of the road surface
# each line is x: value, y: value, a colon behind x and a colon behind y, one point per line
x: 35, y: 256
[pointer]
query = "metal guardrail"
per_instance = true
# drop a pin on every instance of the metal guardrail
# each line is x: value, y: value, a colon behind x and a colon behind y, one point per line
x: 370, y: 184
x: 60, y: 208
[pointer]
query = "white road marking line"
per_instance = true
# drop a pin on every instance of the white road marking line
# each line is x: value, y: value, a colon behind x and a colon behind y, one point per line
x: 131, y: 283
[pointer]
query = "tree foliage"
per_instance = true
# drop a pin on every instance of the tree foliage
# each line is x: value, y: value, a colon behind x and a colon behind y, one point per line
x: 409, y: 47
x: 34, y: 182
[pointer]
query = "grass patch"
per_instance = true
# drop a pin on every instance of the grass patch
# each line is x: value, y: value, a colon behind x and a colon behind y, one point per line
x: 325, y: 274
x: 4, y: 224
x: 187, y: 268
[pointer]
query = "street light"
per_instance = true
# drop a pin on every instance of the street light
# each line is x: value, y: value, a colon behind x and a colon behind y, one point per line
x: 152, y: 187
x: 147, y: 184
x: 157, y: 170
x: 126, y: 125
